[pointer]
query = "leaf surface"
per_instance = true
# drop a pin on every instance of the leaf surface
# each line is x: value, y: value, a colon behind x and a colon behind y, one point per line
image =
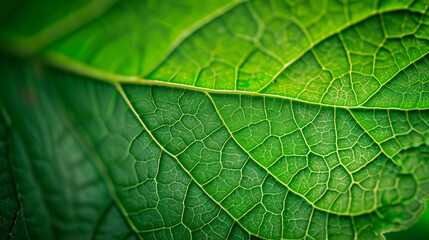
x: 240, y: 119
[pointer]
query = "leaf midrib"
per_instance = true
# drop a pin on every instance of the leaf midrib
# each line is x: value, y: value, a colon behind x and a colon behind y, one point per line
x: 70, y: 65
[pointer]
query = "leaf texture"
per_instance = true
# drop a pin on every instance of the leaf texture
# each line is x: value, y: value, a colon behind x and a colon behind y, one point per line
x: 217, y: 120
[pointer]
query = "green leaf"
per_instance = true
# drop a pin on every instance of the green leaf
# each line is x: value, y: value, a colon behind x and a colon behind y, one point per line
x: 217, y: 119
x: 417, y: 231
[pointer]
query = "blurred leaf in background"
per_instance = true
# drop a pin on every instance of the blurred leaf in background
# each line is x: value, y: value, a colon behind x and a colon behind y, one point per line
x: 419, y: 230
